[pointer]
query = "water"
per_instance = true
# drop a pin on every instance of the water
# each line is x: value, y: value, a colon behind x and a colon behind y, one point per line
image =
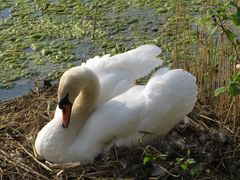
x: 37, y: 13
x: 21, y: 88
x: 142, y: 24
x: 5, y: 13
x: 53, y: 1
x: 85, y: 50
x: 29, y: 50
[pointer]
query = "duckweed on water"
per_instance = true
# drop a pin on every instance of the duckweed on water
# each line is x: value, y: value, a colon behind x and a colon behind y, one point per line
x: 57, y: 33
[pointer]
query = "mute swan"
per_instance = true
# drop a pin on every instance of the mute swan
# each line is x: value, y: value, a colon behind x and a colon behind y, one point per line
x: 90, y: 127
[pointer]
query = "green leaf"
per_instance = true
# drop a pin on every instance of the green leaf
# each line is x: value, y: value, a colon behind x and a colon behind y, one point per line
x: 233, y: 88
x: 236, y: 20
x: 223, y: 16
x: 236, y: 78
x: 224, y: 7
x: 230, y: 34
x: 219, y: 91
x: 184, y: 167
x: 196, y: 171
x: 146, y: 160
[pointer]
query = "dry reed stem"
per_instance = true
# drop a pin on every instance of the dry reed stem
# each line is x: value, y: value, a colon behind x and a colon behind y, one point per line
x: 33, y: 157
x: 19, y: 164
x: 210, y: 64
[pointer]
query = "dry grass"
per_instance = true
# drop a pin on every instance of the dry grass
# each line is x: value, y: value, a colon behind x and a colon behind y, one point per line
x: 216, y: 154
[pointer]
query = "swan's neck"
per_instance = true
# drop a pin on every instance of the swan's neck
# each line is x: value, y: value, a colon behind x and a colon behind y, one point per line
x: 86, y: 101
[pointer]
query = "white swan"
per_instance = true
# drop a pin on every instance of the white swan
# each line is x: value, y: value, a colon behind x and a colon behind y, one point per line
x: 91, y: 126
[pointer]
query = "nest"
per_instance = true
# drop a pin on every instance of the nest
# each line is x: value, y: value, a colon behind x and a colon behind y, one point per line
x: 193, y: 149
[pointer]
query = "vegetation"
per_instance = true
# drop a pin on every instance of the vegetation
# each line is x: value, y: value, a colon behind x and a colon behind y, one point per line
x: 40, y: 39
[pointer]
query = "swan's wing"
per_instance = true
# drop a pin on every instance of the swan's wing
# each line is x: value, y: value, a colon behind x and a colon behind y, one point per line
x: 118, y: 73
x: 116, y: 120
x: 154, y: 108
x: 138, y: 62
x: 170, y: 96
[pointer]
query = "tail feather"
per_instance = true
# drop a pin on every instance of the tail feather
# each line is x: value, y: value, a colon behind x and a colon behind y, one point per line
x: 170, y: 96
x: 176, y: 82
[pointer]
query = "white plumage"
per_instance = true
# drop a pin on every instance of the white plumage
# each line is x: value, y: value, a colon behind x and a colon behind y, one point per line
x: 120, y: 116
x: 118, y: 73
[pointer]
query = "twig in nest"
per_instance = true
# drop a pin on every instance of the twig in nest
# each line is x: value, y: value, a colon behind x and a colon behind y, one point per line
x: 35, y: 159
x: 21, y: 165
x: 171, y: 174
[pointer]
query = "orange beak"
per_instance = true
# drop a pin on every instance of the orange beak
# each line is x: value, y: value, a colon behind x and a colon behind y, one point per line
x: 66, y: 112
x: 66, y: 106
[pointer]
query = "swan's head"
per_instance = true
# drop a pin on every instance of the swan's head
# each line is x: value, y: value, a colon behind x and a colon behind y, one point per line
x: 68, y: 89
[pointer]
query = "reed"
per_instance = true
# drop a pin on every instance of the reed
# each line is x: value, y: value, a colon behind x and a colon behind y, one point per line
x: 207, y: 56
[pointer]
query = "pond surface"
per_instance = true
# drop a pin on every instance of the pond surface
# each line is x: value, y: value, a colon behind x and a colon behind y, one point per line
x: 5, y: 13
x: 20, y: 88
x: 41, y: 39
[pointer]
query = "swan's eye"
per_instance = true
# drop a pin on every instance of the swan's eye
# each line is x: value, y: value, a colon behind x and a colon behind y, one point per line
x: 64, y: 101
